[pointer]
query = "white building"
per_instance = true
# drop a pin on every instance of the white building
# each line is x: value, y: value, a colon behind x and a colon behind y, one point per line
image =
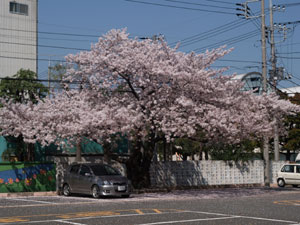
x: 291, y: 91
x: 18, y: 36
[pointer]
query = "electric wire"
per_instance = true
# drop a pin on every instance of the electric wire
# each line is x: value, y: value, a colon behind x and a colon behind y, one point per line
x: 44, y: 46
x: 203, y: 35
x: 52, y: 33
x: 223, y: 2
x: 211, y: 34
x: 179, y: 7
x: 20, y: 37
x: 33, y: 59
x: 215, y: 31
x: 229, y: 41
x: 200, y: 4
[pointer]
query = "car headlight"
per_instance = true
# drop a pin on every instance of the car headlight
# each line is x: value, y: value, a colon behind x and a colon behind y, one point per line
x: 105, y: 182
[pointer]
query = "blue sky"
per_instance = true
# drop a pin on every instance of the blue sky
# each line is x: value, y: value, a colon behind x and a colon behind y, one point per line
x: 95, y: 17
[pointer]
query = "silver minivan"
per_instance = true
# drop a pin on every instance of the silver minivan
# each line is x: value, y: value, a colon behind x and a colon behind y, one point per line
x: 289, y: 174
x: 95, y: 179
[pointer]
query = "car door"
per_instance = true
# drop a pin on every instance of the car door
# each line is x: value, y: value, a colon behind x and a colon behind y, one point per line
x: 297, y: 175
x: 289, y: 174
x: 85, y: 179
x: 73, y: 178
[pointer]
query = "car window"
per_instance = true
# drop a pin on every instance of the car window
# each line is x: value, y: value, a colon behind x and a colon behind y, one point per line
x: 288, y: 169
x: 84, y: 170
x: 297, y: 169
x: 74, y: 169
x: 104, y: 170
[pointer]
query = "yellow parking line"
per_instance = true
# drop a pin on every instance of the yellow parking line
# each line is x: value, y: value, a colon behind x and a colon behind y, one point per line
x: 27, y: 218
x: 12, y: 220
x: 288, y: 202
x: 156, y: 210
x: 138, y: 211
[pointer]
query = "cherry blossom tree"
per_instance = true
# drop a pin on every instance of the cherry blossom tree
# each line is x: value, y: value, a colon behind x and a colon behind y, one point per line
x: 146, y: 91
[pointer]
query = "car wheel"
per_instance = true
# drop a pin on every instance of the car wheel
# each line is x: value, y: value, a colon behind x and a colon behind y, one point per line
x: 95, y: 191
x: 66, y: 190
x: 280, y: 182
x: 125, y: 196
x: 295, y: 185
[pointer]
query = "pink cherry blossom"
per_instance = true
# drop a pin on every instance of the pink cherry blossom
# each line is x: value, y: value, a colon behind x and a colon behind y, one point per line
x: 133, y: 87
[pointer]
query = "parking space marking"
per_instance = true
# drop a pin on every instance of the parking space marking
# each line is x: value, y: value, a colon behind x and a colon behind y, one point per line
x: 86, y: 215
x: 85, y: 218
x: 138, y: 211
x: 29, y: 200
x: 247, y: 217
x: 288, y: 202
x: 193, y: 220
x: 11, y: 220
x: 80, y: 216
x: 69, y: 222
x: 48, y: 204
x: 156, y: 210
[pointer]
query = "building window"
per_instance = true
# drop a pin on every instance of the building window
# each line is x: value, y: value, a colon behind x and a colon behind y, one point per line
x: 18, y: 8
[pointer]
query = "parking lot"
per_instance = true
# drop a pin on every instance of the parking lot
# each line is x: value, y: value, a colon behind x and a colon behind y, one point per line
x: 206, y: 206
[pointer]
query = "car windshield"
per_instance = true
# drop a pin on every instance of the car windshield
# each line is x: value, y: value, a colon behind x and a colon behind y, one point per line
x: 103, y: 170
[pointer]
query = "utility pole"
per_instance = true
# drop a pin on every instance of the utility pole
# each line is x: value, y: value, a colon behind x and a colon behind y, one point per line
x: 264, y: 76
x: 274, y: 79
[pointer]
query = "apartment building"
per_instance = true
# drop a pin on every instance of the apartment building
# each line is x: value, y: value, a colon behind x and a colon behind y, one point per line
x: 18, y: 36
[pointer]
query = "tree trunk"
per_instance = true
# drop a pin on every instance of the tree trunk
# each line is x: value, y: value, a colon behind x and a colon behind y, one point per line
x: 78, y: 151
x: 30, y: 152
x: 139, y: 163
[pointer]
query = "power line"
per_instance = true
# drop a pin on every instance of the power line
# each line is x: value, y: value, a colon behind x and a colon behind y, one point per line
x: 200, y: 4
x: 179, y: 7
x: 288, y: 53
x: 45, y: 38
x: 293, y: 82
x: 52, y: 33
x: 286, y: 57
x: 34, y: 59
x: 219, y: 1
x: 235, y: 60
x: 230, y: 40
x: 291, y: 4
x: 213, y: 32
x: 44, y: 46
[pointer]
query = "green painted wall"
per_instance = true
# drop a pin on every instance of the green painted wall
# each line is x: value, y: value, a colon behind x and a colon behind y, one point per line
x: 27, y: 177
x: 88, y: 147
x: 3, y: 146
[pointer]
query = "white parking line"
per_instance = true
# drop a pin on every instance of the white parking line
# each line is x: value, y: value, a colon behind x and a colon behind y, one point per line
x: 69, y: 222
x: 194, y: 220
x: 29, y: 200
x: 222, y: 217
x: 246, y: 217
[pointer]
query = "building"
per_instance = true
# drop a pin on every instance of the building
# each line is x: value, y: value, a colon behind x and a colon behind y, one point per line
x: 291, y: 91
x: 18, y: 36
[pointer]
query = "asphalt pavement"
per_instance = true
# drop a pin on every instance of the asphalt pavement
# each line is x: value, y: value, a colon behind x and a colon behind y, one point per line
x: 203, y: 206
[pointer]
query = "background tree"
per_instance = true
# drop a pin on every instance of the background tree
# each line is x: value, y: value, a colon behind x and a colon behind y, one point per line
x: 291, y: 141
x: 22, y: 87
x: 57, y: 73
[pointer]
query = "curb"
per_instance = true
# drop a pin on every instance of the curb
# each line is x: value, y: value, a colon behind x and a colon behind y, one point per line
x: 136, y: 191
x: 27, y: 194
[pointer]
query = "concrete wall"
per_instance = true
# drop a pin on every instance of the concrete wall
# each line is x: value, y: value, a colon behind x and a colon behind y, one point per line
x: 18, y: 38
x: 203, y: 173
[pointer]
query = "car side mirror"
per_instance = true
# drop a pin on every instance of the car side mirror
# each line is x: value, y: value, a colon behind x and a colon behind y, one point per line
x: 87, y: 174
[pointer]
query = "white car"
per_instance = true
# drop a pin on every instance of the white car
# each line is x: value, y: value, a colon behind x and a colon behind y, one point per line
x: 289, y: 174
